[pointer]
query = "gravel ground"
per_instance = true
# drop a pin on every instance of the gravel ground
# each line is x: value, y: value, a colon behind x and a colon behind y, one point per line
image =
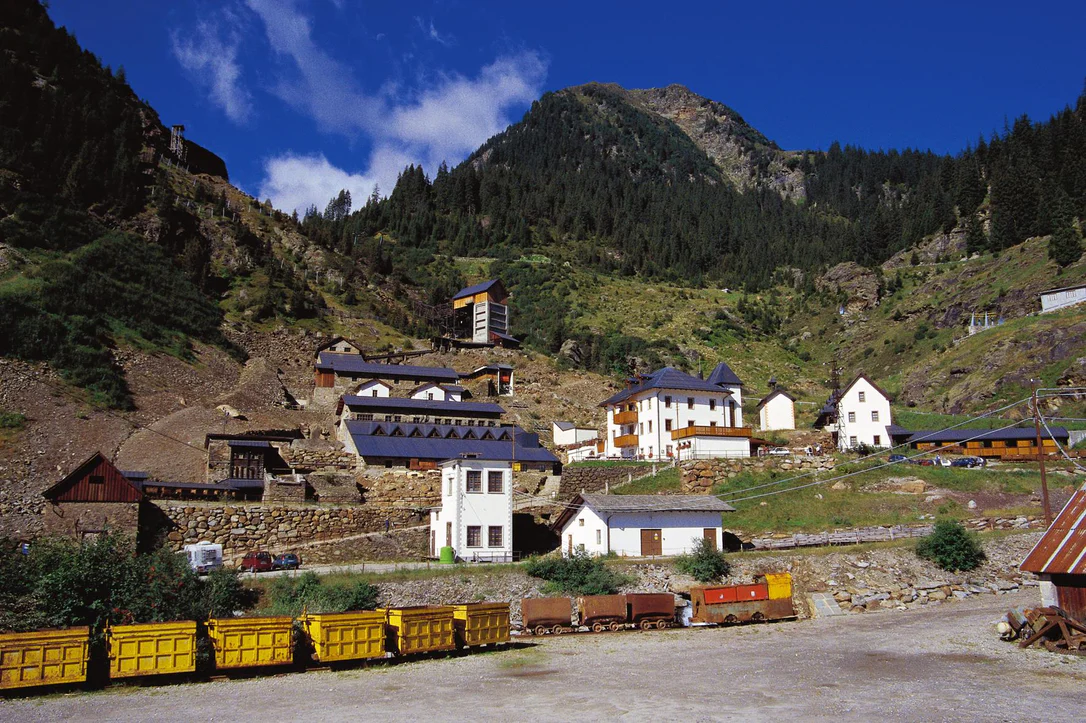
x: 943, y: 662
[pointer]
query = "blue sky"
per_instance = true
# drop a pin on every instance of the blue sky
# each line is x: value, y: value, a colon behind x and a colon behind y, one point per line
x: 302, y: 98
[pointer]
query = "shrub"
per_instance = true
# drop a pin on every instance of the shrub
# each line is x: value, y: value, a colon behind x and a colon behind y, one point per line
x: 951, y: 547
x: 11, y: 420
x: 705, y: 563
x: 289, y: 596
x: 579, y: 574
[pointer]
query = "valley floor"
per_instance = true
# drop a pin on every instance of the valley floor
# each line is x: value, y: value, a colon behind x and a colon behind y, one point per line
x: 941, y: 663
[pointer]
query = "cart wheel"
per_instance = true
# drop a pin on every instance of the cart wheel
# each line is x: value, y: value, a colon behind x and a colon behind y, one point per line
x: 758, y: 617
x: 662, y: 625
x: 731, y: 619
x: 615, y: 627
x: 646, y: 625
x: 558, y: 630
x: 540, y: 630
x: 597, y: 627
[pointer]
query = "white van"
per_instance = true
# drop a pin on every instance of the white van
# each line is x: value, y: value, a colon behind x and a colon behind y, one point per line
x: 204, y: 556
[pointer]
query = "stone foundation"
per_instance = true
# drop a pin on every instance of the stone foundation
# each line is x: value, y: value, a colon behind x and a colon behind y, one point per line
x: 592, y: 478
x: 700, y: 476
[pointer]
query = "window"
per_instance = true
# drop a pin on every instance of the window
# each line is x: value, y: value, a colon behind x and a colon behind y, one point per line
x: 852, y: 417
x: 874, y: 415
x: 375, y: 392
x: 690, y: 424
x: 641, y: 428
x: 495, y: 482
x: 97, y: 479
x: 712, y: 404
x: 670, y: 451
x: 852, y: 441
x: 863, y: 396
x: 667, y: 402
x: 650, y: 426
x: 650, y: 452
x: 712, y: 424
x: 689, y: 402
x: 475, y: 536
x: 494, y: 536
x: 430, y: 396
x: 649, y: 403
x: 878, y: 440
x: 475, y: 481
x: 667, y: 425
x: 580, y: 522
x: 599, y: 536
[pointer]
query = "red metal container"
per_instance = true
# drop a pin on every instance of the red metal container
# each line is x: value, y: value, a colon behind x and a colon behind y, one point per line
x: 544, y: 613
x: 714, y: 595
x: 651, y: 609
x: 747, y: 593
x: 602, y: 609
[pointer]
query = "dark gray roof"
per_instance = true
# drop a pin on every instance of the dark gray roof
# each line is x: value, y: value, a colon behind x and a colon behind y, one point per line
x: 463, y: 409
x: 565, y: 426
x: 369, y: 444
x: 656, y: 503
x: 981, y: 435
x: 774, y: 393
x: 666, y: 378
x: 249, y: 443
x: 476, y: 289
x: 354, y: 364
x: 723, y: 375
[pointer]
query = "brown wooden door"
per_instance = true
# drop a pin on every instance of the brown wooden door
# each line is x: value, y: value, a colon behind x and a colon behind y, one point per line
x: 710, y: 534
x: 652, y: 543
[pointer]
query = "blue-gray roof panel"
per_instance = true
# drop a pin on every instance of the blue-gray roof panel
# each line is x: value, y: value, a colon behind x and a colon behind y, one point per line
x: 427, y: 405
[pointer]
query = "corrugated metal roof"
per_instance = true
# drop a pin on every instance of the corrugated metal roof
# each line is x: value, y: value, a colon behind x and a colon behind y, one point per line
x: 723, y: 375
x: 249, y: 443
x: 434, y: 448
x: 981, y: 435
x: 355, y: 364
x: 656, y: 503
x: 666, y: 378
x: 476, y: 289
x: 565, y: 426
x: 430, y: 405
x: 1062, y: 550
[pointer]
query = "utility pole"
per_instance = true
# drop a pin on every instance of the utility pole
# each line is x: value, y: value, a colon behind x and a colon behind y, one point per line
x: 1040, y: 453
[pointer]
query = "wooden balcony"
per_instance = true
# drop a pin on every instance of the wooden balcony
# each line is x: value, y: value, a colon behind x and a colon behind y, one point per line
x: 684, y: 432
x: 625, y: 417
x: 626, y: 440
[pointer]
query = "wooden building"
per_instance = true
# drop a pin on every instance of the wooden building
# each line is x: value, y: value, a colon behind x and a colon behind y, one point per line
x: 1059, y: 558
x: 94, y: 499
x: 1018, y: 443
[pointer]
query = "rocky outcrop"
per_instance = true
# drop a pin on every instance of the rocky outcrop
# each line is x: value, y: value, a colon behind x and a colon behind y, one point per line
x: 858, y: 283
x: 699, y: 477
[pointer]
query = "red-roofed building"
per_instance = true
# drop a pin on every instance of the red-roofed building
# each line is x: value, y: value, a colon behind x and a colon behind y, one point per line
x: 93, y: 499
x: 1059, y: 558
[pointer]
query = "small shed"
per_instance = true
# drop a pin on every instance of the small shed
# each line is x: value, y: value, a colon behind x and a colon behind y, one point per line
x: 1059, y: 558
x: 93, y: 499
x: 777, y: 411
x: 640, y: 525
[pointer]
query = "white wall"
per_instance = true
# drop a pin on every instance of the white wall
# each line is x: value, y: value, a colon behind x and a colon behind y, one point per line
x: 572, y: 435
x: 579, y: 454
x: 778, y: 413
x: 372, y: 388
x: 680, y: 530
x: 483, y: 509
x: 437, y: 394
x: 861, y: 428
x: 1059, y: 299
x: 654, y: 413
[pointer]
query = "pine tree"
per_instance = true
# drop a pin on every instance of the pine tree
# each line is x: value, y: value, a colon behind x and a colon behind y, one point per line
x: 976, y: 242
x: 1064, y: 247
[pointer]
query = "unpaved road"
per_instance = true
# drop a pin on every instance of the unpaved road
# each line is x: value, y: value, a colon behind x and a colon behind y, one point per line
x: 940, y: 663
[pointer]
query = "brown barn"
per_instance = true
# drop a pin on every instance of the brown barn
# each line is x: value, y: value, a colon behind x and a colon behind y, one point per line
x: 1060, y: 559
x: 96, y: 498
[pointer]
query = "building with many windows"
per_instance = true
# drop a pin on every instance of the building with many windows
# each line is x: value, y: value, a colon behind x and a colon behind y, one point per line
x: 476, y: 514
x: 671, y: 414
x: 481, y: 314
x: 857, y: 415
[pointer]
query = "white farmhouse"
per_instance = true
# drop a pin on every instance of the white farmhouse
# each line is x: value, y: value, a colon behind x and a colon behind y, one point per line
x: 856, y: 415
x: 568, y: 433
x: 374, y: 388
x: 777, y: 411
x: 669, y: 414
x: 640, y: 525
x: 476, y: 513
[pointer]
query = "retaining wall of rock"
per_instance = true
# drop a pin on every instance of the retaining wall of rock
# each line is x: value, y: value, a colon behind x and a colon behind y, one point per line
x: 591, y: 478
x: 700, y: 476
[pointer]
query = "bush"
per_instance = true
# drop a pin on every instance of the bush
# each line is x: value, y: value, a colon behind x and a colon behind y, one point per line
x: 579, y: 574
x: 950, y: 547
x: 705, y: 563
x: 289, y: 596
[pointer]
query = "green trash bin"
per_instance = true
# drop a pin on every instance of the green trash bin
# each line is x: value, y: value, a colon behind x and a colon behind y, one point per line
x: 448, y: 556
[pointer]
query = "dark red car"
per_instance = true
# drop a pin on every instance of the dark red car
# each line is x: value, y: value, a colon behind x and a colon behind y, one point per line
x: 256, y: 562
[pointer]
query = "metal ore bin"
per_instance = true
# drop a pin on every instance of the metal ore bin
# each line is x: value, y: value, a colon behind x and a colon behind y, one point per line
x: 251, y: 642
x: 420, y: 629
x: 345, y: 636
x: 43, y: 657
x: 540, y: 613
x: 152, y: 649
x: 481, y: 623
x: 651, y: 608
x: 601, y: 609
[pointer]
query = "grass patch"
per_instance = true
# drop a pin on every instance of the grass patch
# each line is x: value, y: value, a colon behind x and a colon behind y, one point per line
x: 666, y: 480
x: 608, y: 463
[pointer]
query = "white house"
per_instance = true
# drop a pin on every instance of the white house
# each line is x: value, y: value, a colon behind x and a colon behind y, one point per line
x: 640, y: 525
x: 669, y: 414
x: 438, y: 392
x: 476, y: 513
x: 373, y: 388
x: 566, y: 433
x: 777, y: 411
x: 858, y: 414
x: 1060, y: 298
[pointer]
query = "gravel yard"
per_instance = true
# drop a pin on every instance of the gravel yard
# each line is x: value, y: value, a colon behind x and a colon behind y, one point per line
x: 942, y: 662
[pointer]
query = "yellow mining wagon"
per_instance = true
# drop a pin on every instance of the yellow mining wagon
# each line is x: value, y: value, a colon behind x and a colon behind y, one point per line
x: 780, y: 585
x: 152, y: 649
x: 345, y: 636
x: 420, y: 629
x: 251, y: 642
x: 43, y: 657
x: 481, y: 623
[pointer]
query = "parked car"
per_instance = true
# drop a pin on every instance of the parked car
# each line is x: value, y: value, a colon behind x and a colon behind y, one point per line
x: 780, y: 451
x: 969, y: 462
x: 288, y: 561
x: 898, y: 458
x: 256, y: 562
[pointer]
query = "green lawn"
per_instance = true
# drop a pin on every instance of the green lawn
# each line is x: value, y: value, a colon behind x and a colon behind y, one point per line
x: 666, y: 480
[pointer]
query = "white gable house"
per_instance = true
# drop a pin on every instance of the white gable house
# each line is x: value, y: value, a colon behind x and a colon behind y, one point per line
x: 857, y: 415
x: 476, y: 513
x: 777, y: 411
x: 567, y: 433
x: 373, y: 388
x: 640, y: 525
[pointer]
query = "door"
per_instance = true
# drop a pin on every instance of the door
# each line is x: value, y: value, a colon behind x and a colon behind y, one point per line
x: 652, y: 543
x: 433, y: 543
x: 448, y: 534
x: 710, y: 534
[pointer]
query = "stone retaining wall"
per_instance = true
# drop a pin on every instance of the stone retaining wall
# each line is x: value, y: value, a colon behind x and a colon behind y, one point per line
x: 576, y: 479
x: 700, y: 476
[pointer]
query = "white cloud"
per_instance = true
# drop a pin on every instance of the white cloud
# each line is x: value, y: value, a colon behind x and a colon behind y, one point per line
x: 212, y: 61
x: 295, y: 182
x: 432, y: 33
